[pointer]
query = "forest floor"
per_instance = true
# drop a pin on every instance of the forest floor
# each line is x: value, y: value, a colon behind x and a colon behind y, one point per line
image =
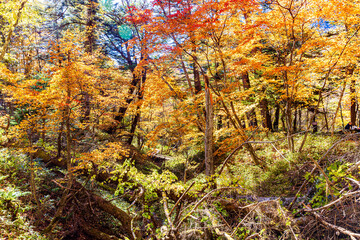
x: 274, y: 190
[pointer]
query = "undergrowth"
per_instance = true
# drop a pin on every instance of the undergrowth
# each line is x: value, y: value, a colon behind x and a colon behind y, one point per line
x: 15, y: 199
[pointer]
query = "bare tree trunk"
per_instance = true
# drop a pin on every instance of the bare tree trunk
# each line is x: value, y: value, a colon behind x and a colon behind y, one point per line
x: 122, y: 110
x: 138, y: 113
x: 295, y: 121
x: 288, y: 126
x: 209, y: 158
x: 197, y: 82
x: 59, y: 145
x: 265, y: 114
x: 68, y: 137
x: 342, y: 117
x: 277, y: 116
x: 90, y: 41
x: 251, y: 115
x: 353, y: 102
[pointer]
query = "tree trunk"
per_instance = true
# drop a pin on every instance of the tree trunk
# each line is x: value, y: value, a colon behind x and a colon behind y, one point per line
x: 59, y: 145
x: 289, y: 126
x: 197, y: 82
x: 119, y: 214
x: 295, y: 121
x: 209, y: 158
x: 265, y: 114
x: 138, y: 113
x: 251, y: 115
x: 277, y: 117
x: 353, y: 102
x: 122, y: 110
x: 90, y: 43
x: 90, y: 33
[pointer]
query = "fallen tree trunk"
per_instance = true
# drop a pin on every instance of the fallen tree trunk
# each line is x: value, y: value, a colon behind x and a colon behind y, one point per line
x: 103, y: 204
x: 96, y: 233
x: 119, y: 214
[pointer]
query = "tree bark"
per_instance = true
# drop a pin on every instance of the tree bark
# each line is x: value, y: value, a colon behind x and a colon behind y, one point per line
x: 138, y: 113
x: 353, y: 102
x: 251, y: 115
x: 277, y: 117
x: 209, y: 158
x: 295, y: 121
x: 59, y: 145
x: 122, y: 110
x: 90, y: 42
x: 119, y: 214
x: 265, y: 114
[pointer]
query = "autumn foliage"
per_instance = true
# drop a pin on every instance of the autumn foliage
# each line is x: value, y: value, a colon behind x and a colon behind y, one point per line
x: 114, y: 92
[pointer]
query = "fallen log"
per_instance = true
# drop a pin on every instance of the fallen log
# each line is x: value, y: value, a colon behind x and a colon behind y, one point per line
x: 96, y: 233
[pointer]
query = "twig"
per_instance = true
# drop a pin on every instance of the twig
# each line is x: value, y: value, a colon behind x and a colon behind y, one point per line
x: 198, y: 204
x: 279, y: 152
x: 328, y: 183
x: 166, y: 210
x: 322, y: 158
x: 214, y: 224
x: 291, y: 229
x: 137, y: 197
x: 251, y: 236
x: 352, y: 235
x: 62, y: 186
x: 332, y: 203
x: 354, y: 181
x: 222, y: 218
x: 182, y: 196
x: 234, y: 151
x: 242, y: 220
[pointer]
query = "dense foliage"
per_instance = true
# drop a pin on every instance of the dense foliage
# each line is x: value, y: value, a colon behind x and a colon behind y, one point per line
x: 179, y: 119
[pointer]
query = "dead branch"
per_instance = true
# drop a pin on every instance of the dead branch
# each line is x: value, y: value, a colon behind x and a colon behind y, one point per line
x: 96, y: 233
x: 332, y: 203
x: 214, y: 224
x: 319, y: 161
x: 352, y: 235
x: 198, y: 204
x: 182, y: 196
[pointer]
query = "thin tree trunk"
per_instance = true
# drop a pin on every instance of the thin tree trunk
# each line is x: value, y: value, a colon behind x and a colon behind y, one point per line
x: 265, y: 114
x: 326, y: 120
x: 90, y: 44
x: 295, y: 121
x: 122, y: 110
x: 66, y: 195
x: 209, y: 158
x: 59, y: 145
x: 284, y: 128
x: 342, y: 117
x: 353, y: 102
x: 197, y: 82
x: 277, y: 116
x: 251, y: 115
x: 299, y: 120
